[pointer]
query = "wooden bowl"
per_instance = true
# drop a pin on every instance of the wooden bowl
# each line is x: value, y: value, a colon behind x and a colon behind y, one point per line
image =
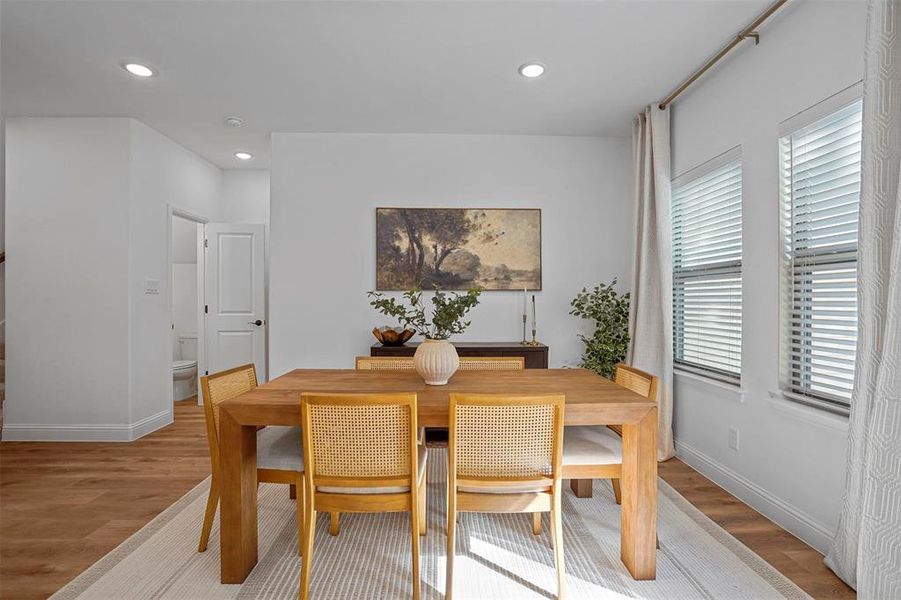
x: 390, y: 336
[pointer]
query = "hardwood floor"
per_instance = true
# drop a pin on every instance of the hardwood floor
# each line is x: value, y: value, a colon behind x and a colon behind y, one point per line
x: 792, y: 557
x: 64, y: 505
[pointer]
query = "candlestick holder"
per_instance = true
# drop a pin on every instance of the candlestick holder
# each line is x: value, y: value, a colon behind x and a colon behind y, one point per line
x: 534, y: 341
x: 525, y: 340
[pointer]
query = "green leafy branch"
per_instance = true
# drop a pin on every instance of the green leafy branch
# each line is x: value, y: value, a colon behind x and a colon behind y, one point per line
x: 448, y: 311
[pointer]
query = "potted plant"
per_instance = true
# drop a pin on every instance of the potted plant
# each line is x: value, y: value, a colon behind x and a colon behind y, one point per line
x: 609, y: 343
x: 436, y: 359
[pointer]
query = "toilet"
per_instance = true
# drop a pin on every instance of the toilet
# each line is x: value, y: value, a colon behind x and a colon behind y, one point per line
x: 184, y: 367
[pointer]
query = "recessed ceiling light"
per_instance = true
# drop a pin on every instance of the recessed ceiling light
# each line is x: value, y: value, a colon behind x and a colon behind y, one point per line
x: 243, y: 155
x: 139, y: 70
x: 234, y: 121
x: 531, y: 70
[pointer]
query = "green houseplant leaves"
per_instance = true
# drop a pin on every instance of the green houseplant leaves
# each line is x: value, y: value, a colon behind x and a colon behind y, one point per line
x: 609, y: 343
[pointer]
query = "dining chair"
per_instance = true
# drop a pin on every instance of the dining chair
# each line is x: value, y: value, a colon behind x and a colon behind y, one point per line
x: 384, y: 363
x: 504, y: 455
x: 362, y: 455
x: 279, y: 453
x: 492, y: 363
x: 467, y: 363
x: 378, y: 363
x: 596, y: 451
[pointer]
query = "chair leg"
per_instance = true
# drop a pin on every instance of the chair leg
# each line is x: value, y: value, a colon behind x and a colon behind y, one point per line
x: 415, y: 532
x: 212, y: 502
x: 581, y: 487
x: 557, y: 535
x: 299, y: 502
x: 309, y: 530
x: 451, y: 543
x: 536, y: 523
x: 423, y: 506
x: 292, y: 491
x: 617, y: 491
x: 334, y: 525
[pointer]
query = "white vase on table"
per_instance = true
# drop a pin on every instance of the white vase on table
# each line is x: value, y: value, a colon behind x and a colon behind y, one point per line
x: 436, y: 361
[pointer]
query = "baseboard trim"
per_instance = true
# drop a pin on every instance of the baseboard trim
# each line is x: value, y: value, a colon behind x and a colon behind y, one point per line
x: 86, y: 433
x: 791, y: 518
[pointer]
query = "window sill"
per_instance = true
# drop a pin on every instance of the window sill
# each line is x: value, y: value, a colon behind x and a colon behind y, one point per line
x: 807, y: 410
x: 733, y: 391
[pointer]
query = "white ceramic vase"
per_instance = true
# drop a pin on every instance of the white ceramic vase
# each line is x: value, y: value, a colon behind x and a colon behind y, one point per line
x: 436, y: 361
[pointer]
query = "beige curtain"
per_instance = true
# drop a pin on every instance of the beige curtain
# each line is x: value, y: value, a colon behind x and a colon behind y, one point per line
x: 651, y: 309
x: 866, y: 552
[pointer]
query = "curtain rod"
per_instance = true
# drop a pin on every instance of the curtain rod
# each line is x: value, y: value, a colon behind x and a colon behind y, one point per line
x: 747, y: 32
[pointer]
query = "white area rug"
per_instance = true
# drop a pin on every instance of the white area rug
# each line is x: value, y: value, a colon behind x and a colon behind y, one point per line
x: 497, y: 555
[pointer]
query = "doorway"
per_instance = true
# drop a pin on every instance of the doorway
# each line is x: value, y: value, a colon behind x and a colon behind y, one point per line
x: 217, y: 303
x: 186, y: 285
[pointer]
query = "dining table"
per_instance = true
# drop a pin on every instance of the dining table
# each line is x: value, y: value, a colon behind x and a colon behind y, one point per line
x: 590, y: 400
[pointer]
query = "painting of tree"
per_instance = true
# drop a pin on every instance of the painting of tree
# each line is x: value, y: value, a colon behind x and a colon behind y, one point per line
x: 456, y: 249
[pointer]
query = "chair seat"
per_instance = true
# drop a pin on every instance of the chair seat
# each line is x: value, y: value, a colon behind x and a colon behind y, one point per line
x: 591, y: 445
x: 423, y: 458
x: 524, y: 488
x: 279, y: 448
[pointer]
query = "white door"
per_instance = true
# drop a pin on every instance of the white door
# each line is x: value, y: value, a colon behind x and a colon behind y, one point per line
x: 235, y: 297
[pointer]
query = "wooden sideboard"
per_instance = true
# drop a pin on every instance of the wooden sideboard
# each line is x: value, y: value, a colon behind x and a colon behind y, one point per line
x: 535, y: 356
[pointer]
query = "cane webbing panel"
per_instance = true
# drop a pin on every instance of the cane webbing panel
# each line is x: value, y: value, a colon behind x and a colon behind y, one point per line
x: 360, y: 441
x: 229, y: 385
x: 385, y: 363
x: 499, y: 363
x: 467, y: 363
x: 635, y: 380
x: 504, y: 441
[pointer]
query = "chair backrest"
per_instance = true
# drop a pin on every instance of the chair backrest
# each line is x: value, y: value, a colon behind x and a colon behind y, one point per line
x: 637, y: 381
x: 217, y: 388
x: 359, y: 440
x: 497, y: 438
x: 492, y: 363
x: 467, y: 363
x: 384, y: 363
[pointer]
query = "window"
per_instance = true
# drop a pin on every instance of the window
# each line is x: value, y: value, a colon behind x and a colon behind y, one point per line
x: 820, y: 189
x: 706, y: 220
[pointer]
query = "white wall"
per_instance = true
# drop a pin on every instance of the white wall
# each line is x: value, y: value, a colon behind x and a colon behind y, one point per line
x: 67, y: 360
x: 245, y: 196
x: 325, y: 188
x: 790, y: 463
x: 2, y: 226
x: 89, y: 354
x: 184, y: 280
x: 162, y: 172
x: 184, y: 240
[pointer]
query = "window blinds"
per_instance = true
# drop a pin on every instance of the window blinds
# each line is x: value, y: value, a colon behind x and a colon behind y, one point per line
x: 706, y: 216
x: 821, y: 193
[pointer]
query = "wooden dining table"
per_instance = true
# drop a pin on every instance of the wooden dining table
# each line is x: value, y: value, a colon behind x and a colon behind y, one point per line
x: 590, y: 400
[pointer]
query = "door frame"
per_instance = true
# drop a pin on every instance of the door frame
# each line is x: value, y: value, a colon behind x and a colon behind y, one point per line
x: 173, y: 211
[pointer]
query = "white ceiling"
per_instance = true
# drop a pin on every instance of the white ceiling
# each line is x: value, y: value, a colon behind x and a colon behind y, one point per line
x: 424, y: 66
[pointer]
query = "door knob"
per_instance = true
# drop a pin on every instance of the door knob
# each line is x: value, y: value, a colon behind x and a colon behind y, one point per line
x: 258, y: 322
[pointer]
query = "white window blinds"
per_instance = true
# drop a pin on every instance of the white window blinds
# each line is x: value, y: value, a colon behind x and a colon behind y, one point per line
x: 706, y: 217
x: 820, y: 193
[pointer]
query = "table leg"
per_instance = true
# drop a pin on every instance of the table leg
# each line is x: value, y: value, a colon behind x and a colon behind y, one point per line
x: 238, y: 506
x: 638, y: 531
x: 581, y: 487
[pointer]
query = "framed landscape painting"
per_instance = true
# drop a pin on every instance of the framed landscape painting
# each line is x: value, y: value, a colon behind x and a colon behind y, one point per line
x: 458, y: 248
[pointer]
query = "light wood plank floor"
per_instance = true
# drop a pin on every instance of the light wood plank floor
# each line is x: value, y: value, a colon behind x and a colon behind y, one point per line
x: 64, y: 505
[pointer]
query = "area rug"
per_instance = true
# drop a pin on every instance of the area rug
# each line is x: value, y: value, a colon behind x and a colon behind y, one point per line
x: 497, y: 555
